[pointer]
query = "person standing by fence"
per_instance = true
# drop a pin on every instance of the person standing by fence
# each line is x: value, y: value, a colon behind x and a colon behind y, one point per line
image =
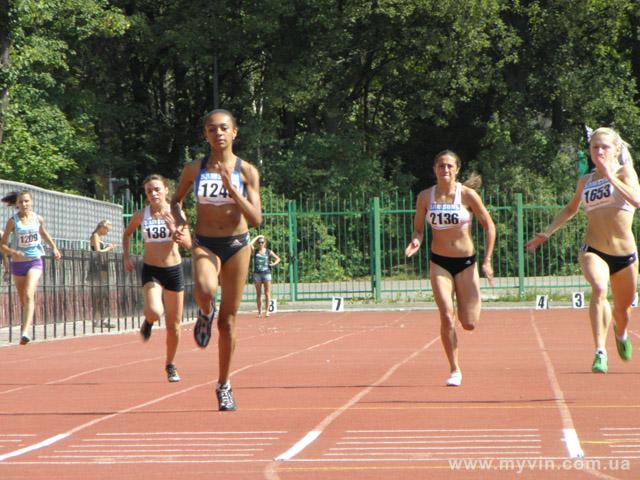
x: 95, y: 241
x: 227, y: 191
x: 26, y: 256
x: 448, y: 207
x: 262, y: 271
x: 610, y: 194
x: 98, y: 274
x: 162, y: 275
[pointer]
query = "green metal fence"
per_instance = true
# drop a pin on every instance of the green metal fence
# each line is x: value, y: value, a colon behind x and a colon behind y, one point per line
x: 354, y: 248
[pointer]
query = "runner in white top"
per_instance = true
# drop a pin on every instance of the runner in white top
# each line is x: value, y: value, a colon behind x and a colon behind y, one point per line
x: 447, y: 207
x: 610, y: 196
x: 162, y: 275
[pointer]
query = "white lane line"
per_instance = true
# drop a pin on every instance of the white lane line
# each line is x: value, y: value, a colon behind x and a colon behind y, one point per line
x: 570, y: 436
x: 573, y: 442
x: 307, y: 460
x: 180, y: 450
x: 35, y: 446
x: 69, y: 352
x: 366, y: 449
x: 251, y: 432
x: 144, y: 460
x: 425, y: 437
x: 182, y: 439
x: 315, y: 432
x: 449, y: 430
x: 95, y: 421
x: 83, y: 373
x: 430, y: 442
x: 133, y: 445
x: 147, y: 455
x: 300, y: 445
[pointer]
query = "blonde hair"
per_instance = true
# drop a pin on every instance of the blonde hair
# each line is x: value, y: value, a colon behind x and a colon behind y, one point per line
x: 101, y: 224
x: 473, y: 181
x: 624, y: 156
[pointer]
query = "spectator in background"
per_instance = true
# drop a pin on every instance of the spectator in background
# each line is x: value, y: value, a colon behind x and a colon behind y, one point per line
x: 98, y: 275
x: 262, y: 263
x: 96, y: 243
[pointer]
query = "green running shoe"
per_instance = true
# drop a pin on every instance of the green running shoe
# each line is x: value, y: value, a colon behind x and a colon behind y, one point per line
x: 599, y: 363
x: 624, y: 347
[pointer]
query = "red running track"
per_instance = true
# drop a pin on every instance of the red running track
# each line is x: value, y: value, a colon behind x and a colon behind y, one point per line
x: 354, y: 395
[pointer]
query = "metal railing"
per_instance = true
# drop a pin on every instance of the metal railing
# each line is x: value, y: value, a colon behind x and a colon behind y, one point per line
x: 84, y: 292
x: 352, y: 248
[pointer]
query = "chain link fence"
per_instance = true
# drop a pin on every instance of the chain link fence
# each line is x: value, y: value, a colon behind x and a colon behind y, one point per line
x: 70, y: 219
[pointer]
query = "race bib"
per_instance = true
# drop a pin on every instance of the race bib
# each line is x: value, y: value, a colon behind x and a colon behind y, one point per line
x: 598, y: 192
x: 212, y: 191
x: 28, y: 239
x: 443, y: 215
x: 156, y: 231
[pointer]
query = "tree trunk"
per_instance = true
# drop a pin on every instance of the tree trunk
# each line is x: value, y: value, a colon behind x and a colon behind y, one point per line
x: 5, y: 46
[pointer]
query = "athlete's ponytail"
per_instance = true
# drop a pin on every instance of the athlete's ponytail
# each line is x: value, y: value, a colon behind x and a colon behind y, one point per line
x: 10, y: 199
x: 473, y: 181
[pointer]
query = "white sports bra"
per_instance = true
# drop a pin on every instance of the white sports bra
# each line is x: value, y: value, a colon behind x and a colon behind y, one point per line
x: 154, y: 230
x: 444, y: 216
x: 600, y: 193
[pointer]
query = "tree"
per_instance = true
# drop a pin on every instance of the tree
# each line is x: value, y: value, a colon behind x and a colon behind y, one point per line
x: 44, y: 136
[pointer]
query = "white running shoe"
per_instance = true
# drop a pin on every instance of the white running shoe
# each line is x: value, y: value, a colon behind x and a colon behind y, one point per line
x: 455, y: 379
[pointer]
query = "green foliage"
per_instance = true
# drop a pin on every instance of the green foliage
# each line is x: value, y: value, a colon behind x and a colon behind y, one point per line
x: 319, y: 252
x: 331, y: 97
x: 46, y: 142
x: 35, y: 146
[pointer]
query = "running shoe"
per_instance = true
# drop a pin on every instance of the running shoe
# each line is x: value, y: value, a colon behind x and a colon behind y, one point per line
x: 145, y: 330
x: 225, y: 398
x: 624, y: 347
x: 24, y: 340
x: 600, y: 363
x: 455, y: 379
x: 172, y: 373
x: 202, y: 330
